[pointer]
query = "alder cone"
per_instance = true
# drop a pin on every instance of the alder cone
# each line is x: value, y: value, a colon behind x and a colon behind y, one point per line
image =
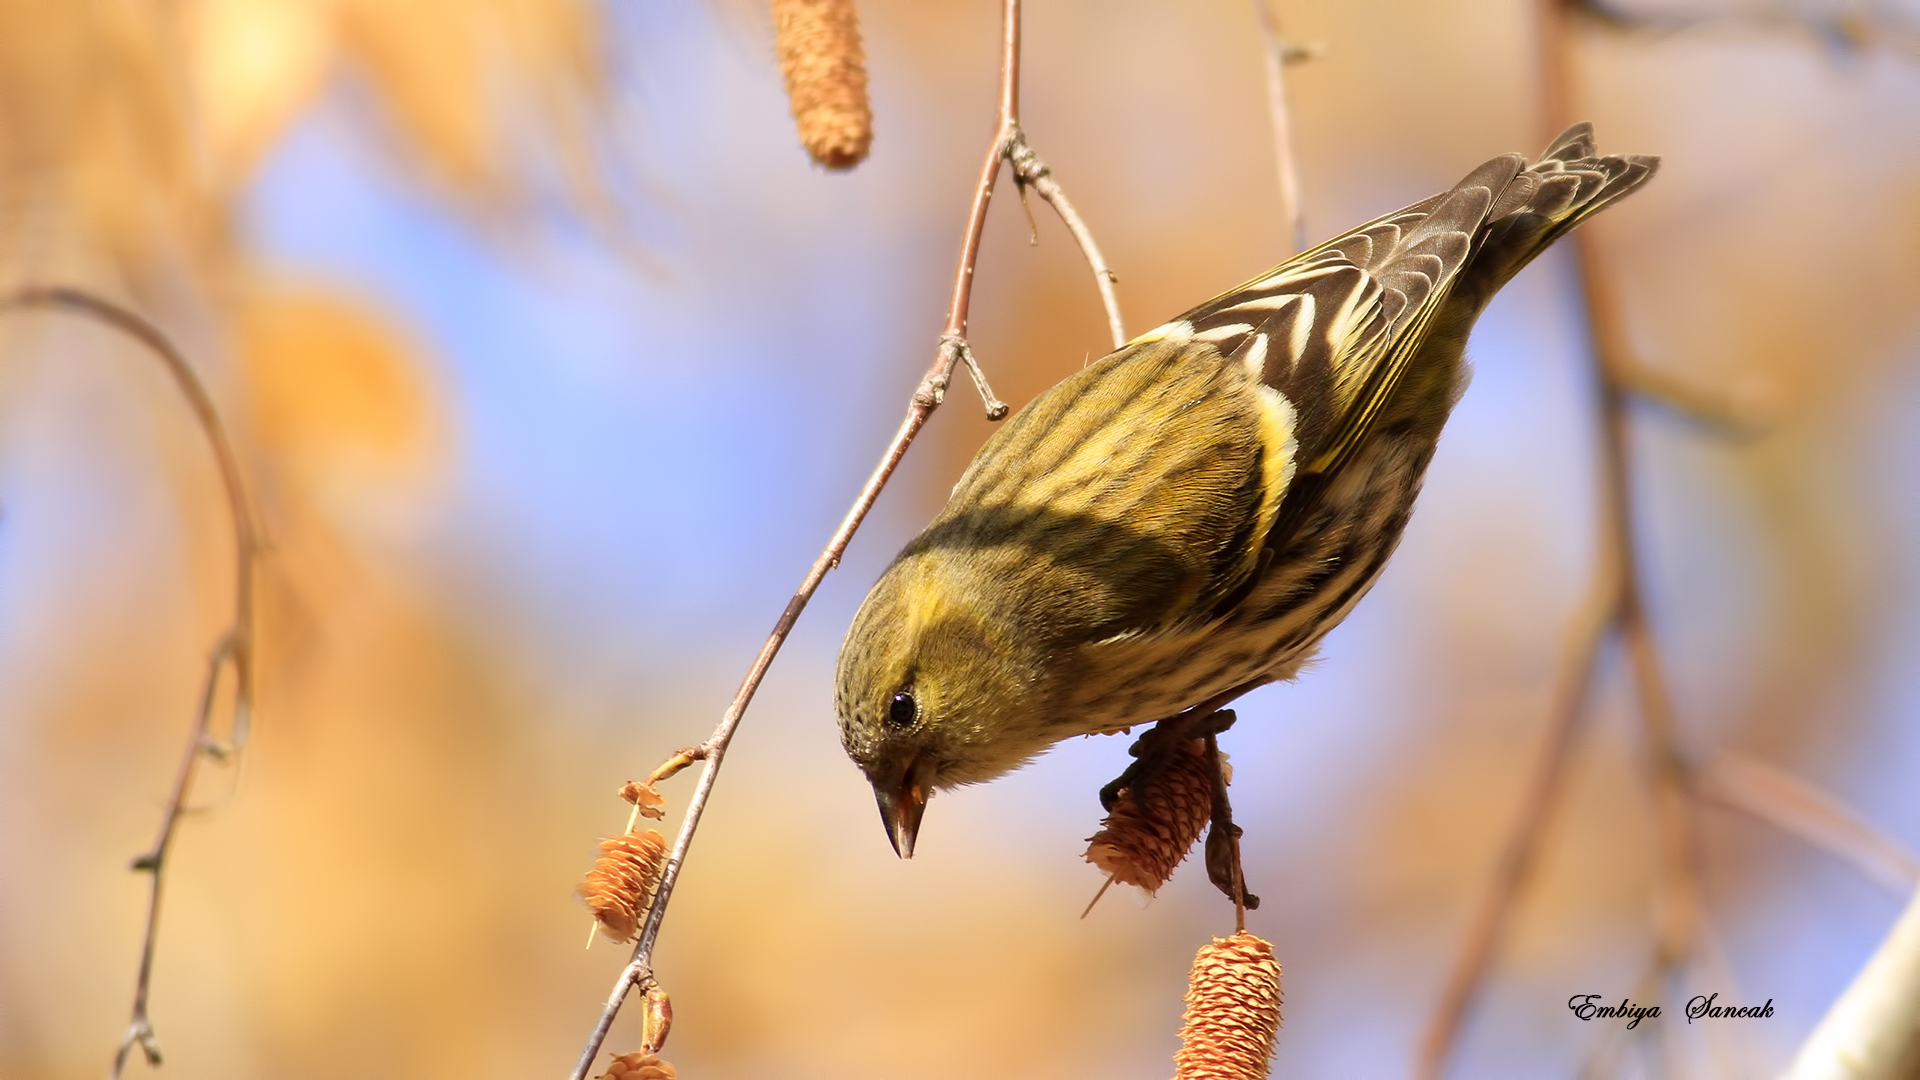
x: 826, y: 72
x: 621, y: 883
x: 1140, y: 843
x: 1233, y: 1011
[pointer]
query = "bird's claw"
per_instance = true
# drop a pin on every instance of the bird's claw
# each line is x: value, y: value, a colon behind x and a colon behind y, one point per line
x: 1153, y: 752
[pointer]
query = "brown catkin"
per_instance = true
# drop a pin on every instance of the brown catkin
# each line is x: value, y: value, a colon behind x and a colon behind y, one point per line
x: 1233, y: 1011
x: 638, y: 1065
x: 1140, y: 845
x: 620, y: 885
x: 826, y: 72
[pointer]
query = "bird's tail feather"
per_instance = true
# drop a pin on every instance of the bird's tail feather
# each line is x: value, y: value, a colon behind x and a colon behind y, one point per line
x: 1570, y: 182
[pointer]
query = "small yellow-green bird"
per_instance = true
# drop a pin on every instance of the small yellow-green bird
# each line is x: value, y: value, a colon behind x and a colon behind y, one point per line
x: 1184, y: 519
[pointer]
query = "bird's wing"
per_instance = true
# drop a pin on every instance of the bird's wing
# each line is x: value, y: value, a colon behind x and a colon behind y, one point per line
x: 1332, y: 331
x: 1159, y: 473
x: 1139, y: 483
x: 1318, y: 346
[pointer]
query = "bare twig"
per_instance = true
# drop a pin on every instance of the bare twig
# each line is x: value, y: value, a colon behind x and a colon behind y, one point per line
x: 1030, y: 171
x: 1280, y: 53
x: 234, y: 650
x: 1753, y: 787
x: 199, y: 743
x: 1618, y: 608
x: 952, y: 349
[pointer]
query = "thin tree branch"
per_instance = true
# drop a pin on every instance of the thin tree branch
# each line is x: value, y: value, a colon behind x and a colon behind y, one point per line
x: 1792, y: 805
x: 1280, y: 53
x: 235, y: 648
x: 140, y: 1029
x: 952, y: 350
x: 207, y: 416
x: 1030, y: 171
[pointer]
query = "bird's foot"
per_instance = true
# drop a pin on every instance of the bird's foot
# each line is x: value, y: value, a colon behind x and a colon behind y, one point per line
x: 1154, y: 751
x: 1223, y: 841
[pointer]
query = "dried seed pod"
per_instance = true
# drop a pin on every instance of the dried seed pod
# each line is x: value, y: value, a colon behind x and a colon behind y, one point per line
x: 826, y: 72
x: 1233, y: 1011
x: 621, y: 883
x: 642, y: 795
x: 639, y: 1065
x: 1141, y: 844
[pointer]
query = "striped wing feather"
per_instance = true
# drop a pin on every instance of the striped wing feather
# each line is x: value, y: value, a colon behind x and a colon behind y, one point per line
x: 1334, y: 329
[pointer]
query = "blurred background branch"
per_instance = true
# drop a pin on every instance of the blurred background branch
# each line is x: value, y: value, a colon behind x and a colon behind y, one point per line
x: 1620, y: 612
x: 233, y: 651
x: 1784, y: 801
x: 1848, y: 26
x: 1280, y: 54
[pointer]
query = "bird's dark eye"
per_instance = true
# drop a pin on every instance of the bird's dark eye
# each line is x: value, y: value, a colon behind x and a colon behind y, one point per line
x: 902, y: 711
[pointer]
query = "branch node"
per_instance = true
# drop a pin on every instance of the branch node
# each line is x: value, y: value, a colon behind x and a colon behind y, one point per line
x: 1027, y: 166
x: 140, y: 1034
x: 954, y: 348
x: 932, y: 390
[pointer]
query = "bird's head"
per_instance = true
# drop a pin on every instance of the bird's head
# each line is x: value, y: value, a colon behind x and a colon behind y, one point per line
x: 936, y: 688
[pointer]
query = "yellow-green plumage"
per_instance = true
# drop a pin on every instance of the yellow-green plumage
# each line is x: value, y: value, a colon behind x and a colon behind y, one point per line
x: 1185, y: 518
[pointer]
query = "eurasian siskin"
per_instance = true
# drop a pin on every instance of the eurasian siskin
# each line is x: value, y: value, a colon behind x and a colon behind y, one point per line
x: 1183, y: 520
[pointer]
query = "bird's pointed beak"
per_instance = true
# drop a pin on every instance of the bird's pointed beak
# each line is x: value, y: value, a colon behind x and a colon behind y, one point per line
x: 901, y: 808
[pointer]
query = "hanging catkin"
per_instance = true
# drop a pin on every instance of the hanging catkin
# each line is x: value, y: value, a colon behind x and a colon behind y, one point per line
x: 1233, y: 1011
x: 826, y: 72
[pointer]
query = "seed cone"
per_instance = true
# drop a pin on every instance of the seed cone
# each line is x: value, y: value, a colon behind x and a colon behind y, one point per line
x: 638, y: 1065
x: 1141, y: 844
x: 1233, y: 1011
x: 826, y: 72
x: 620, y: 885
